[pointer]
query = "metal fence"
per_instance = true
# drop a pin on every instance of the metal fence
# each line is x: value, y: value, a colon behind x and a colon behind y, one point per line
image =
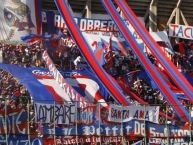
x: 85, y: 123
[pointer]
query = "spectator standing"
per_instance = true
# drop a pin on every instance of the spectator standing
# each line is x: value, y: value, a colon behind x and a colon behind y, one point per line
x: 182, y: 47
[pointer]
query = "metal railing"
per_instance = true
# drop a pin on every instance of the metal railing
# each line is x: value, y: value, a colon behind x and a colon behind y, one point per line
x: 74, y: 123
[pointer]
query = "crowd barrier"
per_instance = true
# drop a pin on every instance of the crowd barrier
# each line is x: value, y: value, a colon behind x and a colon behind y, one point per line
x: 85, y: 123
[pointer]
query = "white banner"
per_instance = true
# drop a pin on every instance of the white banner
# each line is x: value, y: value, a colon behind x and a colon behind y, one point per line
x: 18, y: 18
x: 58, y: 113
x: 163, y: 41
x: 124, y: 114
x: 162, y: 36
x: 181, y: 31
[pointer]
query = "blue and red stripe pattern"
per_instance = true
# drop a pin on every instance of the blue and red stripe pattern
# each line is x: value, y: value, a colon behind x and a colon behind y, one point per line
x: 170, y: 68
x: 86, y: 51
x: 152, y: 72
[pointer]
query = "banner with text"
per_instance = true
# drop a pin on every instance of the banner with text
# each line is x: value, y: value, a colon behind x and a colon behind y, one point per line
x: 98, y: 31
x: 13, y: 121
x: 20, y: 140
x: 55, y: 113
x: 124, y: 114
x: 181, y: 31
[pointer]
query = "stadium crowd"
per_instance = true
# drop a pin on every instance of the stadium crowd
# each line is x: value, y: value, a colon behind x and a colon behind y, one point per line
x: 67, y: 57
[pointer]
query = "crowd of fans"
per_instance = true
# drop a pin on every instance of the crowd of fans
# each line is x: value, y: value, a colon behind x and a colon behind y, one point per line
x: 11, y: 92
x: 68, y: 57
x: 183, y: 56
x: 22, y: 55
x: 120, y: 66
x: 14, y: 96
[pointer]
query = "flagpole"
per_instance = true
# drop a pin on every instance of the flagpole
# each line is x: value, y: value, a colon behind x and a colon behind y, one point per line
x: 76, y: 121
x: 6, y: 122
x: 145, y: 137
x: 28, y: 116
x: 54, y: 124
x: 122, y: 124
x: 100, y: 122
x: 190, y: 123
x: 168, y: 140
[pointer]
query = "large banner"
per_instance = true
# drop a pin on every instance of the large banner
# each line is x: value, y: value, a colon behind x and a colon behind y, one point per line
x: 181, y: 31
x: 13, y: 121
x: 131, y: 130
x: 19, y: 18
x: 98, y: 32
x: 84, y: 24
x: 14, y: 128
x: 31, y: 79
x: 124, y: 114
x: 88, y: 124
x: 45, y: 89
x: 92, y: 92
x: 20, y: 140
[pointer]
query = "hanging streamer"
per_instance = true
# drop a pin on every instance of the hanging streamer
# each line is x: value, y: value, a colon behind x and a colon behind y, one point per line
x: 111, y: 86
x: 171, y: 70
x: 169, y: 95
